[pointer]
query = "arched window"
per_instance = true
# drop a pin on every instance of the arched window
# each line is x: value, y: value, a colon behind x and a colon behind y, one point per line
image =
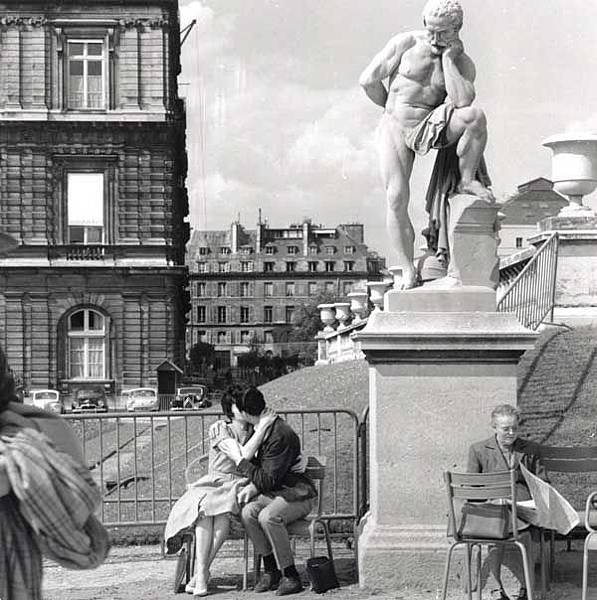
x: 87, y: 345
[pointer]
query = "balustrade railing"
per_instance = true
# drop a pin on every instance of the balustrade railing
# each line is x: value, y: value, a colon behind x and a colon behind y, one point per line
x: 531, y: 296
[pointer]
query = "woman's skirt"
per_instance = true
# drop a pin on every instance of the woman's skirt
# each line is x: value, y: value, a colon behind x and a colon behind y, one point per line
x: 209, y: 497
x: 20, y: 558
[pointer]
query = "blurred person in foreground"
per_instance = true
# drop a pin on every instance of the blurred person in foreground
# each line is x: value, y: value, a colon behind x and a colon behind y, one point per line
x: 501, y: 452
x: 208, y: 502
x: 278, y: 494
x: 47, y: 497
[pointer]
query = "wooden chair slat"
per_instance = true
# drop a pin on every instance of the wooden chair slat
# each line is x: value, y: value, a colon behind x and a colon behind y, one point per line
x: 485, y: 493
x: 499, y: 477
x: 571, y: 452
x: 570, y: 465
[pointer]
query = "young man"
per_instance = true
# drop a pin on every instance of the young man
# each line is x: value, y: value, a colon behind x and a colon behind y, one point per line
x: 278, y: 494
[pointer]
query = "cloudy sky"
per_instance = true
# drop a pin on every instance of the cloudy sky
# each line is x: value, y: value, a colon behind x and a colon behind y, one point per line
x: 277, y: 121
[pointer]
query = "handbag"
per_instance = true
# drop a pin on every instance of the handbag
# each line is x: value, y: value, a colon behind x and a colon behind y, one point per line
x: 485, y: 520
x: 322, y: 574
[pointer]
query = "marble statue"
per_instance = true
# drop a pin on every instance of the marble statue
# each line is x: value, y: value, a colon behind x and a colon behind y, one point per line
x: 427, y: 105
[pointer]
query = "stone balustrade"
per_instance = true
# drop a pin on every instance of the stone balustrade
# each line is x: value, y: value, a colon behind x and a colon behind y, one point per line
x: 342, y: 319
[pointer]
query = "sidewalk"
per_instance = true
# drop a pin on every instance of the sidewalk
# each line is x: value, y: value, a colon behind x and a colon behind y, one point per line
x: 140, y: 573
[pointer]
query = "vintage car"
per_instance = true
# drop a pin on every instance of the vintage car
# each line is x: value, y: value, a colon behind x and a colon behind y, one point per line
x: 192, y: 397
x: 145, y: 398
x: 90, y: 400
x: 46, y: 399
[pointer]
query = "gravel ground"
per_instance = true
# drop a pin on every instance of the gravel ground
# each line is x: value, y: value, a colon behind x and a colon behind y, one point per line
x: 140, y: 572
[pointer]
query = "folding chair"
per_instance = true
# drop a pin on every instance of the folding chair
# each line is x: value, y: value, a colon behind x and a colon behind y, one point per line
x: 482, y: 487
x: 590, y: 540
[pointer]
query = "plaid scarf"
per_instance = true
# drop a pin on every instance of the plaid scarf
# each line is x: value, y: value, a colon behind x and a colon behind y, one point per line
x: 57, y: 497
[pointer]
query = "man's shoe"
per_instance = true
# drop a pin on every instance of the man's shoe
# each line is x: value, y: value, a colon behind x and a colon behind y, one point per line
x: 289, y: 585
x: 522, y: 595
x: 268, y: 581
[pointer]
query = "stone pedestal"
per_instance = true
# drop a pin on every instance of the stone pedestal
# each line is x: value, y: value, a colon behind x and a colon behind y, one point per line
x: 576, y: 279
x: 440, y: 361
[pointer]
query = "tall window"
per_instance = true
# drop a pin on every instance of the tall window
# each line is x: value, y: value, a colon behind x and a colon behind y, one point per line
x: 313, y: 266
x: 85, y: 207
x: 222, y: 337
x: 268, y: 314
x: 201, y: 314
x: 270, y: 249
x: 519, y: 242
x: 268, y: 289
x: 330, y: 265
x: 201, y: 288
x: 244, y: 314
x: 221, y: 314
x: 86, y: 74
x: 290, y: 288
x: 288, y: 314
x: 246, y: 266
x: 349, y: 265
x: 86, y: 345
x: 268, y: 267
x: 346, y: 287
x: 222, y: 288
x: 201, y: 267
x: 293, y: 249
x: 312, y: 287
x: 202, y: 335
x: 245, y: 336
x: 290, y: 267
x: 223, y: 267
x: 245, y: 289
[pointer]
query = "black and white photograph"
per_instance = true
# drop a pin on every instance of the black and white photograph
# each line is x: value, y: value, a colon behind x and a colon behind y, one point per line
x: 298, y: 297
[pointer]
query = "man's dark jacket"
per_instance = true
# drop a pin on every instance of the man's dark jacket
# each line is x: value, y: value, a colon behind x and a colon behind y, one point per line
x: 270, y: 469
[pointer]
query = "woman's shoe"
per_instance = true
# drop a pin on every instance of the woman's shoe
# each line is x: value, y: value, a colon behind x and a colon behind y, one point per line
x: 189, y: 588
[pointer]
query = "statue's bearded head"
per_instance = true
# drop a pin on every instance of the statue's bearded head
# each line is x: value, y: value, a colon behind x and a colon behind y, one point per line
x: 446, y: 10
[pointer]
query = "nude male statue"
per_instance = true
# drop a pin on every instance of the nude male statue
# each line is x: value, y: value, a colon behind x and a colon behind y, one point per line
x: 427, y: 104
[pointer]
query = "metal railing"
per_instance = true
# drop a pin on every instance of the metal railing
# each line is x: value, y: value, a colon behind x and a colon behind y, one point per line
x: 139, y: 459
x: 531, y: 296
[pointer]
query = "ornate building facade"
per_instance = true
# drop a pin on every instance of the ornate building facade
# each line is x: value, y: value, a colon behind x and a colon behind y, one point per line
x: 92, y: 186
x: 246, y: 284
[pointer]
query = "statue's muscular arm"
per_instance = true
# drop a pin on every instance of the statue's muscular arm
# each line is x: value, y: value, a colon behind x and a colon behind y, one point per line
x: 383, y: 65
x: 459, y: 75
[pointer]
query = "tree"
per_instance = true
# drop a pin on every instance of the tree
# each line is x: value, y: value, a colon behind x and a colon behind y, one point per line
x: 306, y: 324
x: 201, y: 355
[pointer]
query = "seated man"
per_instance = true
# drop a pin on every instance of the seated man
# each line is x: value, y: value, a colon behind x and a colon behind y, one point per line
x: 278, y: 494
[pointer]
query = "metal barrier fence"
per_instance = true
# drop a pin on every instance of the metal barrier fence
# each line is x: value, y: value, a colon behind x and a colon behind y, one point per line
x: 139, y: 459
x: 532, y: 294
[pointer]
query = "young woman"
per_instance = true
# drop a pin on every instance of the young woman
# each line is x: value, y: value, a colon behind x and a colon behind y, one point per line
x: 209, y: 502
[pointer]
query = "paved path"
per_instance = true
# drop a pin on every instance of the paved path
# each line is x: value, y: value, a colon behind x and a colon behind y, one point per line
x: 140, y: 573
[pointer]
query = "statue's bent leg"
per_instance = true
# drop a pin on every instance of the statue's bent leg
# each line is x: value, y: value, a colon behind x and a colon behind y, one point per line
x: 396, y: 161
x: 468, y: 127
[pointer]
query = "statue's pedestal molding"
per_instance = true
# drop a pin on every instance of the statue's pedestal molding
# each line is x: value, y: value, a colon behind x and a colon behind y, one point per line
x: 440, y: 361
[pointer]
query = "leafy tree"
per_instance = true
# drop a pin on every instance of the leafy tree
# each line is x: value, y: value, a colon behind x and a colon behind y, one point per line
x: 201, y: 355
x: 306, y: 324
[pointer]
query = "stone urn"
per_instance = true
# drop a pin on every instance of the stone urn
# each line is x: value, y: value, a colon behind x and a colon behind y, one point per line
x: 342, y: 313
x: 574, y: 168
x: 358, y: 305
x: 377, y: 289
x: 327, y: 314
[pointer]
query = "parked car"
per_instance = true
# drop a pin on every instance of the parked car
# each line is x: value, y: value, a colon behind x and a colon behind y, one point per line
x: 46, y: 399
x: 145, y: 398
x: 90, y: 399
x: 193, y: 397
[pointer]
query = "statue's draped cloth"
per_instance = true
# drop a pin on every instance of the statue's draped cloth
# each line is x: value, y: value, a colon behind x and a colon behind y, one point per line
x: 444, y: 182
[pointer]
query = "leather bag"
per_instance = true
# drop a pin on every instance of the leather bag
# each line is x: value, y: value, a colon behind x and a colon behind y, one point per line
x: 322, y: 574
x: 485, y: 520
